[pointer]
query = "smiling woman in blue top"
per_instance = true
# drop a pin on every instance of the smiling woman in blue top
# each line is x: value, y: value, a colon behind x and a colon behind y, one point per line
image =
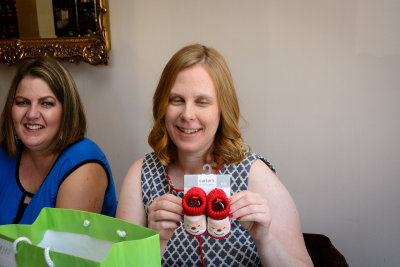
x: 45, y: 159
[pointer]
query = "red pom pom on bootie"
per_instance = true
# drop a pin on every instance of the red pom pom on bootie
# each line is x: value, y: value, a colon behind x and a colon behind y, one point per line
x: 217, y: 209
x: 194, y: 209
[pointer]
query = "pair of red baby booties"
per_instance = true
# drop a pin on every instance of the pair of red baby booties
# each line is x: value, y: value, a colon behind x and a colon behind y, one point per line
x: 204, y: 212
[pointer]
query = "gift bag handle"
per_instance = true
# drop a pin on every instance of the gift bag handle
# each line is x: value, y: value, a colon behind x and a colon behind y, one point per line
x: 120, y: 233
x: 19, y: 239
x: 49, y: 262
x: 46, y: 250
x: 47, y: 258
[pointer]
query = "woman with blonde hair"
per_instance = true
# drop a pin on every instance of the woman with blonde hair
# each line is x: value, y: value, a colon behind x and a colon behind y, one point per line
x: 196, y: 122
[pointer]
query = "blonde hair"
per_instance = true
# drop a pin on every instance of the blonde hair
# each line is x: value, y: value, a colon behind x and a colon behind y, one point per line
x: 228, y: 147
x: 61, y: 83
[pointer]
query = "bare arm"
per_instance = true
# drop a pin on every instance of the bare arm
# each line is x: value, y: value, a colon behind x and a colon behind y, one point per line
x: 165, y: 213
x: 130, y: 203
x: 83, y: 189
x: 268, y: 213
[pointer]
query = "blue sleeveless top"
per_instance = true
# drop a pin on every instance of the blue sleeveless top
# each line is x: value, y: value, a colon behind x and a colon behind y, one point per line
x: 238, y: 249
x: 12, y: 194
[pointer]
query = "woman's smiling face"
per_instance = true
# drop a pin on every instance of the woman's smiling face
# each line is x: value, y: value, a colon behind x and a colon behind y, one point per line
x: 193, y: 112
x: 36, y: 113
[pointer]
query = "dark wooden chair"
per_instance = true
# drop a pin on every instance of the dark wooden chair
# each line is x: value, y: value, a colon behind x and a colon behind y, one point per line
x: 322, y: 251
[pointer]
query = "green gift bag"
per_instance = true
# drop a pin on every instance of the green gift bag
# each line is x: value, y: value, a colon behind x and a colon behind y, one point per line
x: 63, y: 237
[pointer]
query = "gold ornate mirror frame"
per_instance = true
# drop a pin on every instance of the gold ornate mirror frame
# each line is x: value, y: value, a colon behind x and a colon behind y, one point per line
x: 94, y: 50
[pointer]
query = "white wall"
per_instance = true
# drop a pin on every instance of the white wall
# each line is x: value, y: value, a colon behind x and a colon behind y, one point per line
x: 318, y: 83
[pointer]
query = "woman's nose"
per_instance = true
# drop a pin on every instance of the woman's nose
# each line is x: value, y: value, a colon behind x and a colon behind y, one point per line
x: 32, y: 112
x: 188, y: 113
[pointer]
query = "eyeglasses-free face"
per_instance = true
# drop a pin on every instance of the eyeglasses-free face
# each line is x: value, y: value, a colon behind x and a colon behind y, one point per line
x: 36, y: 113
x: 193, y: 112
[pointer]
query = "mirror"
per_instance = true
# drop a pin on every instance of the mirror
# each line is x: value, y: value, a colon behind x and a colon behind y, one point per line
x: 66, y: 29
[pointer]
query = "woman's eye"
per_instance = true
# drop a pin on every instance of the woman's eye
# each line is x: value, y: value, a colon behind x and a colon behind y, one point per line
x: 48, y: 104
x: 202, y: 101
x: 21, y: 103
x: 176, y: 100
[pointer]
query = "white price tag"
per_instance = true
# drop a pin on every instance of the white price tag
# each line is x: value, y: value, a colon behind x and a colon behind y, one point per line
x: 208, y: 182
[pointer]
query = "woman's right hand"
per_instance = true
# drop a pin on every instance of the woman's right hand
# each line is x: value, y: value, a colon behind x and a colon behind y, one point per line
x: 165, y: 215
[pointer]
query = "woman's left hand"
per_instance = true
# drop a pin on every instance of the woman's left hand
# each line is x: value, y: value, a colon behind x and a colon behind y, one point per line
x: 253, y: 213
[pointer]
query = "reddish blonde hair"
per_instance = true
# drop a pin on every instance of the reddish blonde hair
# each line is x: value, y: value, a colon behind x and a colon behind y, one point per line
x: 228, y: 147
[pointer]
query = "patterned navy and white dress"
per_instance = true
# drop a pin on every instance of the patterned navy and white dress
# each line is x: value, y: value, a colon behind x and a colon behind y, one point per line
x: 238, y: 249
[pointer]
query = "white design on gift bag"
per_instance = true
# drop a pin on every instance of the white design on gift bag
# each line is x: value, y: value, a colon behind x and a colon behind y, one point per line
x: 7, y: 258
x: 79, y: 245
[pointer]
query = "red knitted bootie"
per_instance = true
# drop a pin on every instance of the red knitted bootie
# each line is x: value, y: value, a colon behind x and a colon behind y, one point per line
x: 194, y: 210
x: 218, y: 207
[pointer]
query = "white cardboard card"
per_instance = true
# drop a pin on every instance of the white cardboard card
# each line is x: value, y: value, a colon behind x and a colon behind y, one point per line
x: 208, y: 182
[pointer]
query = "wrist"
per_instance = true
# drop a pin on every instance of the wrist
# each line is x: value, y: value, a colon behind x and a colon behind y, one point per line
x: 264, y: 240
